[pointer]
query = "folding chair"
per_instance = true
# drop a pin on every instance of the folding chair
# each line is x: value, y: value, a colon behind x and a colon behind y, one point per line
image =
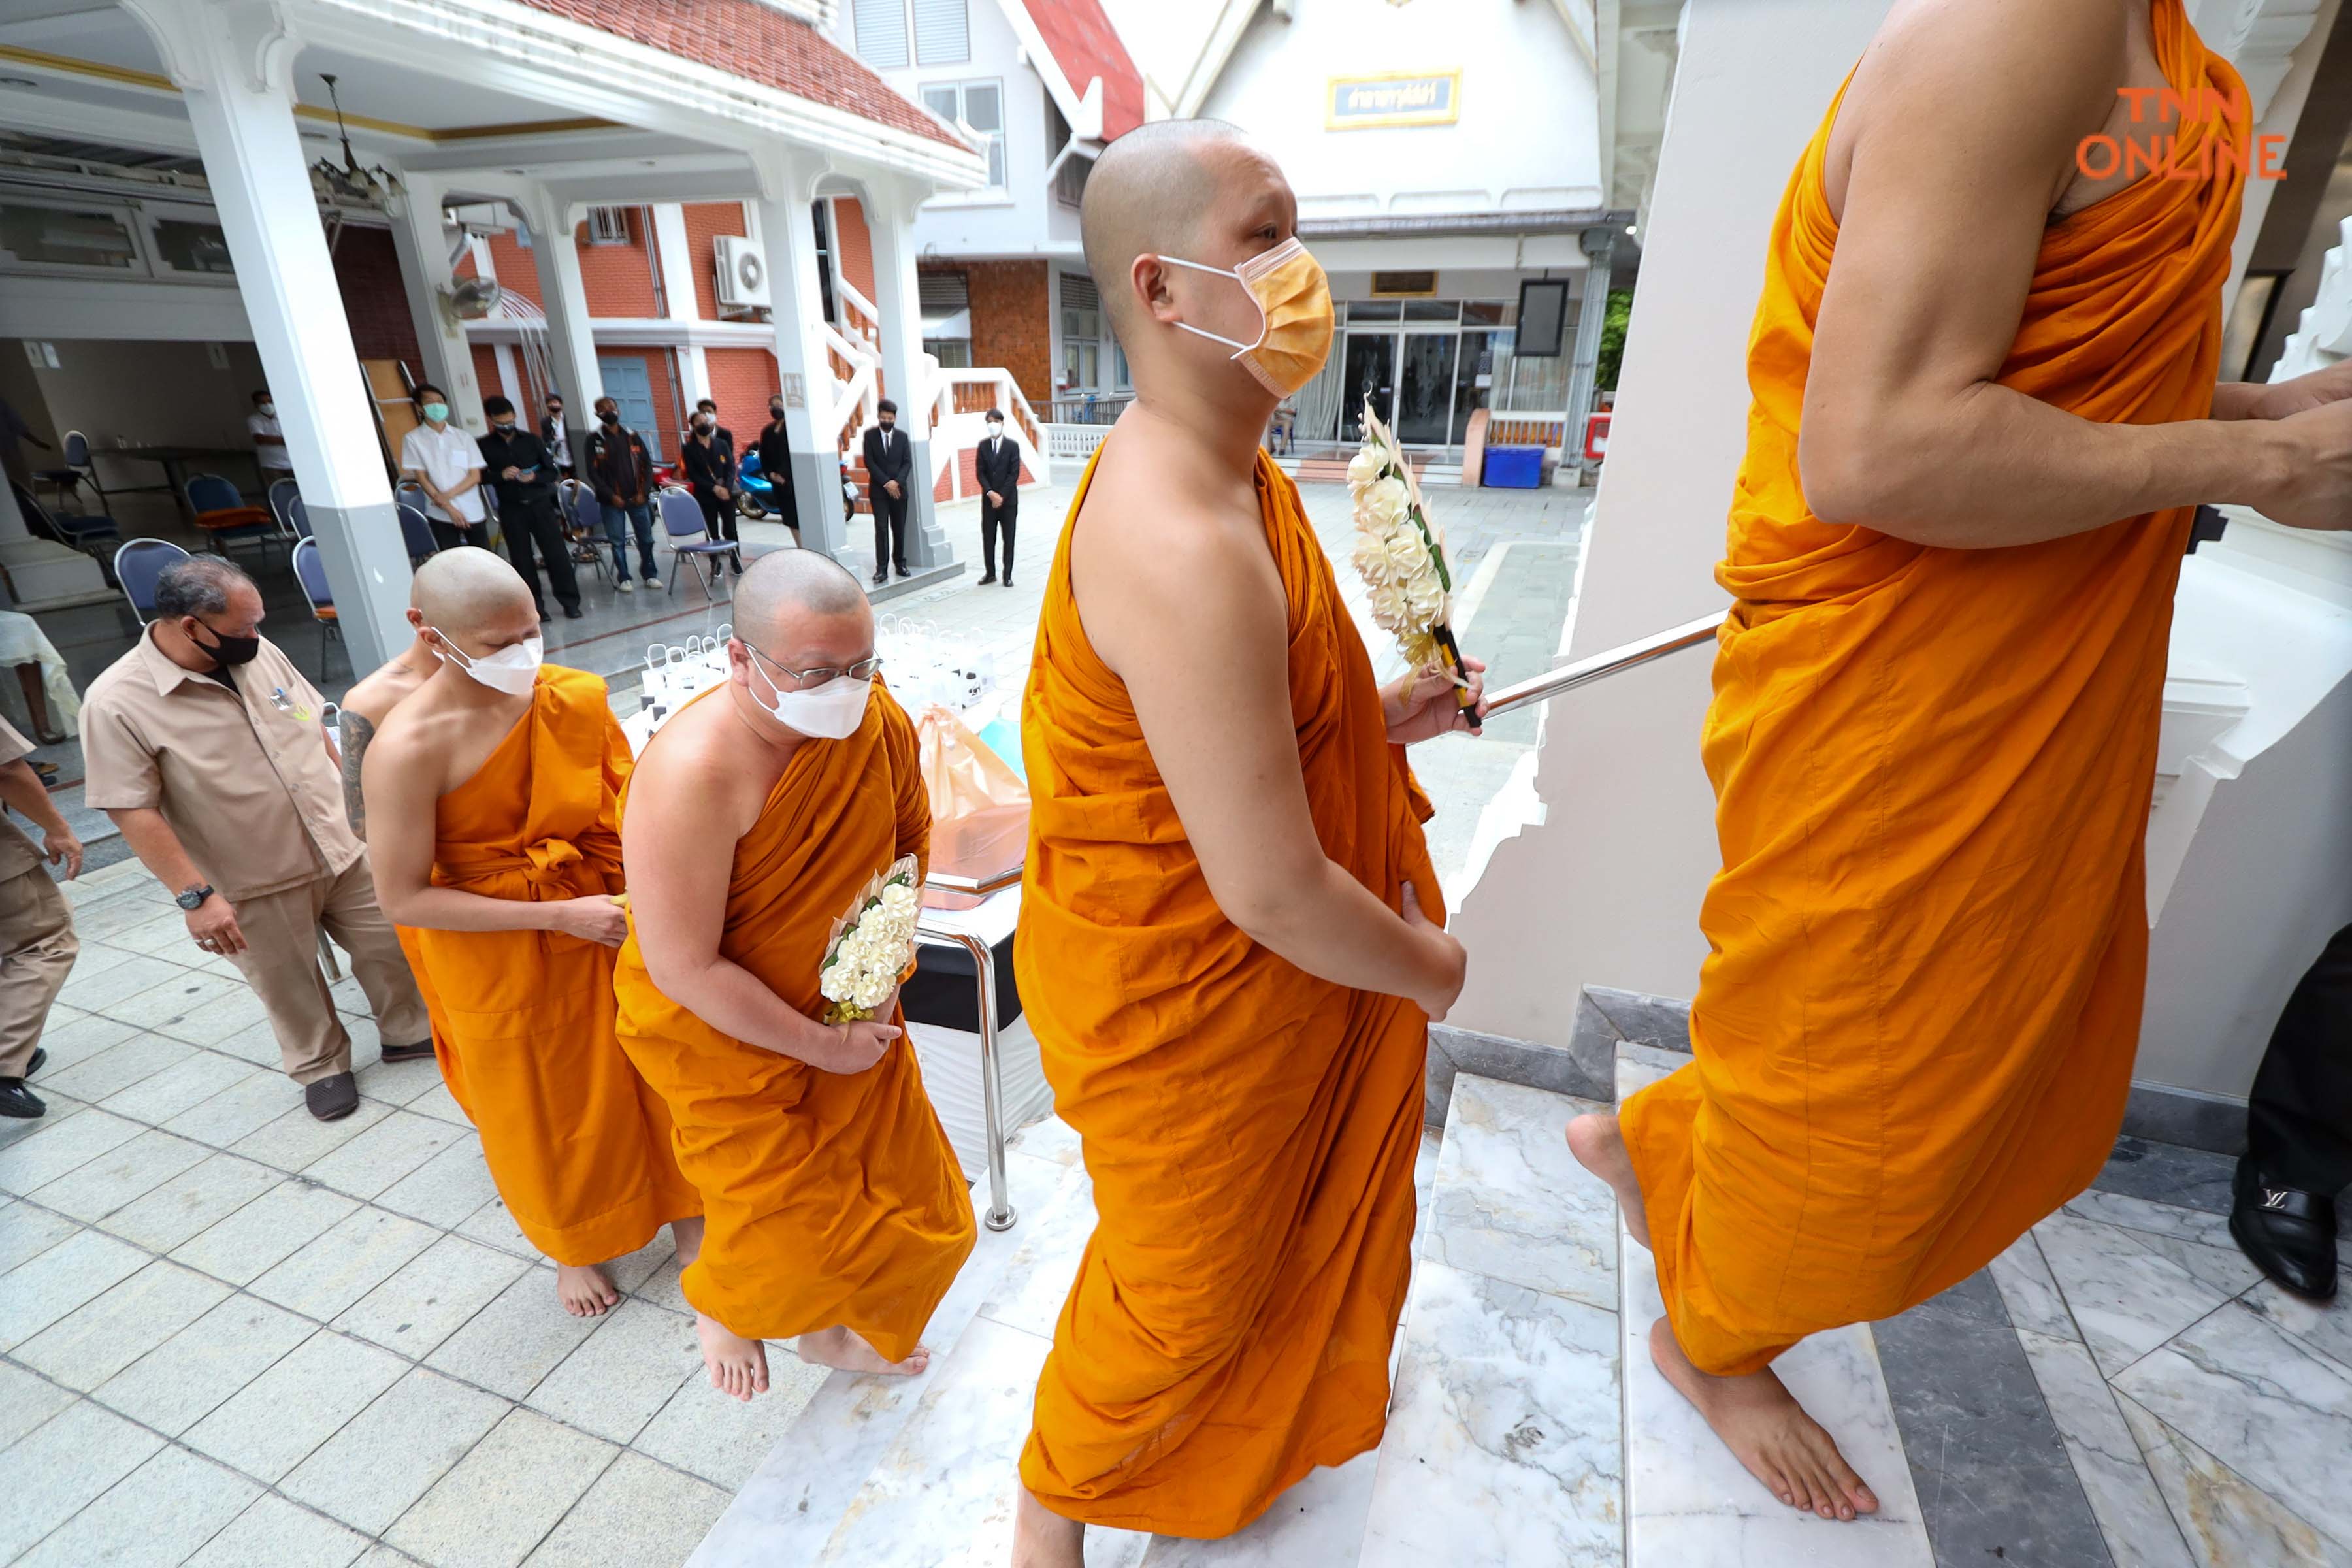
x: 89, y: 534
x: 584, y: 526
x: 137, y: 565
x: 222, y: 512
x: 416, y: 532
x: 68, y: 480
x: 283, y: 493
x: 297, y: 516
x: 311, y: 572
x: 681, y: 520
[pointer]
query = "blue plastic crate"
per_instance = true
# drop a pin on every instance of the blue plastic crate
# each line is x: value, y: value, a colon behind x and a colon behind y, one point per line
x: 1513, y: 468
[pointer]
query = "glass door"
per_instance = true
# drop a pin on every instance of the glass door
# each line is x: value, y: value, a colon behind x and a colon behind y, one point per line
x: 1426, y: 387
x: 1369, y: 371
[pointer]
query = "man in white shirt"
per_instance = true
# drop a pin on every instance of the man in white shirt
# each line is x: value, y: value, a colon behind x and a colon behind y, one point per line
x: 448, y: 463
x: 269, y: 442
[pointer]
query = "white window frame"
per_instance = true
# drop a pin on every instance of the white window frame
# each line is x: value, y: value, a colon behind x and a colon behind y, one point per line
x: 993, y: 145
x: 142, y: 258
x: 148, y: 215
x: 608, y: 226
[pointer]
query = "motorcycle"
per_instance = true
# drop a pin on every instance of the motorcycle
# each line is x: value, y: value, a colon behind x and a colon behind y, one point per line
x: 755, y: 494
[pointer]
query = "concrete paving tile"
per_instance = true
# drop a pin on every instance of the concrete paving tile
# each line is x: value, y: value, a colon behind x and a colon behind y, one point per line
x: 246, y: 1105
x: 183, y: 1379
x: 193, y: 1201
x: 129, y: 1170
x: 397, y: 1083
x: 273, y: 1423
x: 638, y: 1511
x: 250, y: 1242
x: 432, y: 1296
x: 522, y: 1336
x: 275, y: 1534
x: 27, y: 1230
x: 167, y: 1001
x: 492, y: 1226
x: 128, y: 1057
x: 14, y: 1129
x: 57, y: 1469
x: 218, y: 1019
x: 159, y: 1099
x: 381, y: 1154
x: 706, y: 1434
x: 255, y: 1043
x: 72, y: 1038
x: 503, y: 1498
x: 368, y: 1474
x: 446, y: 1190
x: 163, y: 934
x: 299, y: 1139
x: 153, y: 1517
x: 60, y: 1145
x: 623, y: 1374
x: 116, y: 1327
x: 343, y: 1263
x: 436, y: 1101
x: 26, y: 1400
x: 43, y: 1288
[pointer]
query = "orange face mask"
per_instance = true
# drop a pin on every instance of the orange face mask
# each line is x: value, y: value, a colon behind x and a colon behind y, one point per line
x: 1293, y: 305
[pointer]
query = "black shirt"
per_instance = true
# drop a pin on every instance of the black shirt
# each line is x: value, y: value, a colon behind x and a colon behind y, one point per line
x: 517, y: 448
x: 707, y: 466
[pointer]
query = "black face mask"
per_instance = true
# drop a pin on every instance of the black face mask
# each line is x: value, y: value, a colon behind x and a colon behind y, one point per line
x: 228, y: 650
x: 775, y: 411
x: 610, y: 416
x: 505, y: 429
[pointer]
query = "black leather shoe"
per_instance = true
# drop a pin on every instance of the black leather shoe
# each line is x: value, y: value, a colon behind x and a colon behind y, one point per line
x: 19, y: 1101
x: 880, y: 578
x: 332, y: 1098
x: 40, y: 1059
x: 1008, y: 579
x: 573, y: 612
x: 904, y: 573
x: 2289, y: 1236
x: 984, y: 582
x: 415, y: 1051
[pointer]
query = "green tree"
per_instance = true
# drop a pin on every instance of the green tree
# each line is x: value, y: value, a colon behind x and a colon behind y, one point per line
x: 1620, y: 310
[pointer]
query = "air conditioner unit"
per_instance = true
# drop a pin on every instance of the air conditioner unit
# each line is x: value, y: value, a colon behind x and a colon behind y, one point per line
x: 742, y: 273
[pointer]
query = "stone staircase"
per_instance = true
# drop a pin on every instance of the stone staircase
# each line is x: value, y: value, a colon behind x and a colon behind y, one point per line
x: 1521, y: 1365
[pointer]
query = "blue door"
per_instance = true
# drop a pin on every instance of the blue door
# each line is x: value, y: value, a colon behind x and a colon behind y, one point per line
x: 627, y: 384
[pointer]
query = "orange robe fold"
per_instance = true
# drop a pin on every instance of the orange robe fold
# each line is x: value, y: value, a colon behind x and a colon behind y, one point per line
x: 1250, y: 1129
x: 1913, y: 1035
x: 577, y: 1142
x: 832, y: 1198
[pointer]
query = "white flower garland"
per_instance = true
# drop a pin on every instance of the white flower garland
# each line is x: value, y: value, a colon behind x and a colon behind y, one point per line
x: 1400, y: 552
x: 871, y: 946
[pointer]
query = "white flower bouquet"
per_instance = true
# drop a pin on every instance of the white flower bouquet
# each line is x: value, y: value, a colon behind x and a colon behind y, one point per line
x: 870, y: 946
x: 1400, y: 554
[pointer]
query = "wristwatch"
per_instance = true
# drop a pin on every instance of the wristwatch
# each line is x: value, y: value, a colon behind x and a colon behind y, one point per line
x: 193, y: 899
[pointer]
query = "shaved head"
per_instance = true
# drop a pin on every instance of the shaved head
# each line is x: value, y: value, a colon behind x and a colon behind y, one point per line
x: 462, y: 592
x: 1147, y: 195
x: 784, y: 592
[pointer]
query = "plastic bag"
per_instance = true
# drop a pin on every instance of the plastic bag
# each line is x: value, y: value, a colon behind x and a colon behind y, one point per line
x: 980, y: 807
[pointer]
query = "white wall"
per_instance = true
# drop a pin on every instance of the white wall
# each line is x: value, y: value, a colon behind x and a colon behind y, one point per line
x: 156, y: 394
x: 1527, y: 139
x: 1606, y: 890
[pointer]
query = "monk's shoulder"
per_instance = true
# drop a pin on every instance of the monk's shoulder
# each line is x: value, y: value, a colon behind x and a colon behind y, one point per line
x: 694, y: 764
x: 575, y: 688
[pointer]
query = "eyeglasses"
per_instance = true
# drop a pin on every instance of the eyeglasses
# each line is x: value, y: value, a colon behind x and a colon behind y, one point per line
x: 861, y: 670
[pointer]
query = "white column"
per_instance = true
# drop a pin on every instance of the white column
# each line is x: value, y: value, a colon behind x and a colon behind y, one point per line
x: 676, y: 257
x: 1590, y: 317
x: 890, y: 214
x: 234, y: 67
x: 570, y: 336
x: 1597, y: 882
x: 421, y: 239
x: 803, y: 371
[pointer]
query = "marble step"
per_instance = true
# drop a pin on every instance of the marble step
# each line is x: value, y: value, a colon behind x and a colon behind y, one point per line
x: 1503, y: 1443
x: 1689, y: 1504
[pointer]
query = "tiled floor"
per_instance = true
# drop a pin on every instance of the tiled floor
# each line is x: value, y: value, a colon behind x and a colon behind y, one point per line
x: 232, y: 1335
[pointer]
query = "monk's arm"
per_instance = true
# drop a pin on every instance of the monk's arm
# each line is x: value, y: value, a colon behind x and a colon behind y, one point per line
x: 399, y: 786
x: 1208, y: 672
x: 358, y: 731
x: 678, y: 867
x: 1964, y: 140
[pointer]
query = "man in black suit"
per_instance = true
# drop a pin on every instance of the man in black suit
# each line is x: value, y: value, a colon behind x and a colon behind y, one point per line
x: 999, y: 467
x: 556, y: 433
x: 524, y: 475
x: 891, y: 466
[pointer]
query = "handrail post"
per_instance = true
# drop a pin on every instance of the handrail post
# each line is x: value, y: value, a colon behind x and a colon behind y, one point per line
x: 1000, y: 1215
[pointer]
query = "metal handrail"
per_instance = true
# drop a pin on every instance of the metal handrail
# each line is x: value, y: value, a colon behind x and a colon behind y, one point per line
x: 1568, y: 677
x: 1000, y: 1215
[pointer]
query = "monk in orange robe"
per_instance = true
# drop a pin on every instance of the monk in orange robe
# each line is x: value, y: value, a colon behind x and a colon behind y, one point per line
x: 494, y: 796
x: 1984, y: 410
x: 759, y: 813
x: 1228, y: 946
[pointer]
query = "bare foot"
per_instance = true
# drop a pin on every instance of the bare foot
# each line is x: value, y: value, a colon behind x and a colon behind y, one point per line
x: 1043, y: 1539
x: 837, y: 1347
x: 584, y: 1290
x: 685, y: 1235
x: 1767, y: 1431
x: 1599, y: 1148
x: 738, y: 1367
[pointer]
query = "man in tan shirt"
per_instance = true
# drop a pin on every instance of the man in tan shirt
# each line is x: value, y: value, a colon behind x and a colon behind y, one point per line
x: 205, y: 746
x: 37, y: 933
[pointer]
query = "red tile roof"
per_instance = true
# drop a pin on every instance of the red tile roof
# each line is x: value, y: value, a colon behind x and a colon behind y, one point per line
x: 1086, y: 46
x: 745, y: 38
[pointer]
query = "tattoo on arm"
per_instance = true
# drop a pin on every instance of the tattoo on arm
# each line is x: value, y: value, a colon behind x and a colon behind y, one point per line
x: 357, y: 733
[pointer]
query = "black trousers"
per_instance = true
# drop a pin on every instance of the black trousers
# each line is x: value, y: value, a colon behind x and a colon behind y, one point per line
x: 529, y: 520
x: 889, y: 527
x: 718, y: 514
x: 449, y: 535
x: 2299, y: 1120
x: 992, y: 518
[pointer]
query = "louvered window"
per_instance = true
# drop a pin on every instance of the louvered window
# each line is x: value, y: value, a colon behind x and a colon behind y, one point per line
x: 942, y: 33
x: 881, y: 32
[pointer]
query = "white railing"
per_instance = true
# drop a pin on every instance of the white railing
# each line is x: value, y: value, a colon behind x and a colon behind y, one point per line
x: 955, y: 431
x: 1074, y: 442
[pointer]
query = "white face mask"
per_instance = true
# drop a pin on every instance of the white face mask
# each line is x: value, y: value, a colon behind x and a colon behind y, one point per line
x: 269, y: 411
x: 829, y: 712
x: 513, y: 670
